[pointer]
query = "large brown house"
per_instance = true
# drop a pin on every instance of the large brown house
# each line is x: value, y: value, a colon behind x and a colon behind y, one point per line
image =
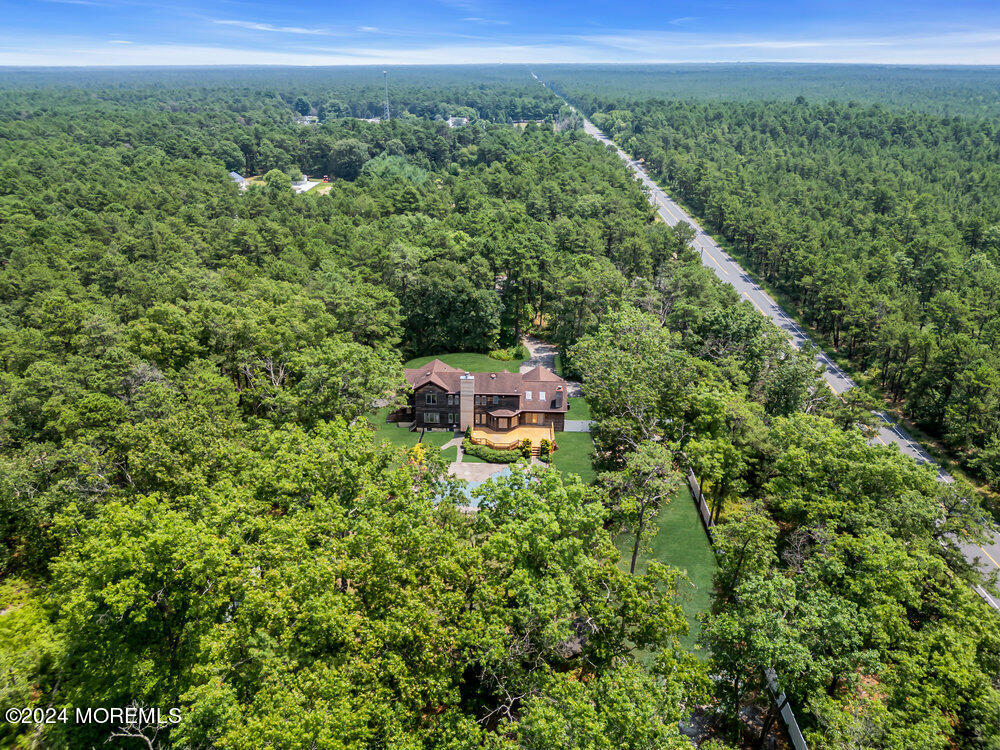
x: 446, y: 397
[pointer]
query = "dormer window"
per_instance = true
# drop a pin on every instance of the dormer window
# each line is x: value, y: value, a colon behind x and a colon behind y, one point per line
x: 541, y: 395
x: 527, y: 395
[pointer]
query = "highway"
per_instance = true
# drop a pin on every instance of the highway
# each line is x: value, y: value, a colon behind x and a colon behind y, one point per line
x: 730, y: 272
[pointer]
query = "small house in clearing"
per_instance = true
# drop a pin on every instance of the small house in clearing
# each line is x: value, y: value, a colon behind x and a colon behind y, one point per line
x: 238, y: 179
x: 497, y: 403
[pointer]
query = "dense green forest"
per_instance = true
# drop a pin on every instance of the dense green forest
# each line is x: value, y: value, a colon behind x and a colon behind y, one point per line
x: 195, y: 511
x: 882, y: 227
x: 938, y: 89
x: 495, y: 93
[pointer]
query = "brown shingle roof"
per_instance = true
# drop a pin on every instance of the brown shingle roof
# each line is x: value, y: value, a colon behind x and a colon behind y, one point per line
x: 436, y: 372
x: 544, y: 374
x: 500, y: 383
x: 537, y: 381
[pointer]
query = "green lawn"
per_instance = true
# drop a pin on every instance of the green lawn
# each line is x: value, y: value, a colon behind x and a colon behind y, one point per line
x: 468, y: 458
x: 574, y: 454
x: 450, y: 454
x: 681, y: 542
x: 467, y: 361
x: 578, y: 408
x: 557, y: 363
x: 401, y: 437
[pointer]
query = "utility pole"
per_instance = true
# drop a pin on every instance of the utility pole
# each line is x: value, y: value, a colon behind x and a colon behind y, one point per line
x: 385, y: 77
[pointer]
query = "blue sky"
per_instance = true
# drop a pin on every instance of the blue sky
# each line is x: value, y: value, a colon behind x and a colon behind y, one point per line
x: 337, y: 32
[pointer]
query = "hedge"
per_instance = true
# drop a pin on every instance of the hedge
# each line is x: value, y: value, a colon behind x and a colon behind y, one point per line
x: 490, y: 455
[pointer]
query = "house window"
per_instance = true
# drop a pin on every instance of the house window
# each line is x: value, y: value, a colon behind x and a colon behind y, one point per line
x: 496, y: 399
x: 541, y: 395
x: 527, y: 395
x: 432, y: 417
x: 451, y: 418
x: 502, y: 423
x: 431, y: 399
x: 480, y: 417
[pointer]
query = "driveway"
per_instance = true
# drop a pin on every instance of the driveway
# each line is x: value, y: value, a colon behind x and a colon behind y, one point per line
x: 541, y: 353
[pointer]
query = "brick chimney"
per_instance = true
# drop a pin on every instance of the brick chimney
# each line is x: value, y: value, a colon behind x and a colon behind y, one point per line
x: 467, y: 398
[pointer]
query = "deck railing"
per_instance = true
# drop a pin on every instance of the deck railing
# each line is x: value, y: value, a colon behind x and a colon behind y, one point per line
x: 511, y: 443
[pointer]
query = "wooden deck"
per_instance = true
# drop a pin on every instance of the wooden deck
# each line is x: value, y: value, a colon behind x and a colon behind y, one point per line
x: 512, y: 438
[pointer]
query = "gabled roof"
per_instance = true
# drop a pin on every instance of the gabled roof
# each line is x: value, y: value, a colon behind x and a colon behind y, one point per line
x: 436, y: 372
x: 546, y: 388
x: 542, y: 373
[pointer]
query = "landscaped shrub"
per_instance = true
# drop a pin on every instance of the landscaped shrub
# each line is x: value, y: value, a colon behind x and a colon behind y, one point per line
x: 510, y: 354
x: 490, y: 455
x: 545, y: 450
x: 525, y: 448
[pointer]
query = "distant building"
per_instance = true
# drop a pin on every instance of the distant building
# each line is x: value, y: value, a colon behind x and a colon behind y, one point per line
x: 303, y: 184
x: 457, y: 122
x: 307, y: 120
x: 238, y: 179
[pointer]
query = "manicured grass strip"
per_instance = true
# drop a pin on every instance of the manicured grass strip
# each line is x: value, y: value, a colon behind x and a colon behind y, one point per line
x: 578, y: 408
x: 574, y: 454
x: 450, y: 454
x: 682, y: 543
x: 401, y: 437
x: 557, y: 363
x: 468, y: 458
x: 391, y: 432
x: 468, y: 361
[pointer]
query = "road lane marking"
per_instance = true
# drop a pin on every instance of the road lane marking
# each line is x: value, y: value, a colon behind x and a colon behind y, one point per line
x: 705, y: 250
x: 989, y: 599
x: 988, y: 555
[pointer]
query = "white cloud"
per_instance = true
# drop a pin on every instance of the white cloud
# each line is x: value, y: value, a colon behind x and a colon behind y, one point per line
x: 368, y: 29
x: 956, y: 48
x: 488, y: 21
x: 980, y: 47
x: 254, y: 26
x: 78, y: 2
x: 119, y: 41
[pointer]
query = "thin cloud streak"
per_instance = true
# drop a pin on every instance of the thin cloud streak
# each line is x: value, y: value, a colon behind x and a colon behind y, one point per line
x: 255, y: 26
x: 966, y: 47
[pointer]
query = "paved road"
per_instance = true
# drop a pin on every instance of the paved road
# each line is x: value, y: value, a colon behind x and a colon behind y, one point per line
x: 729, y: 271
